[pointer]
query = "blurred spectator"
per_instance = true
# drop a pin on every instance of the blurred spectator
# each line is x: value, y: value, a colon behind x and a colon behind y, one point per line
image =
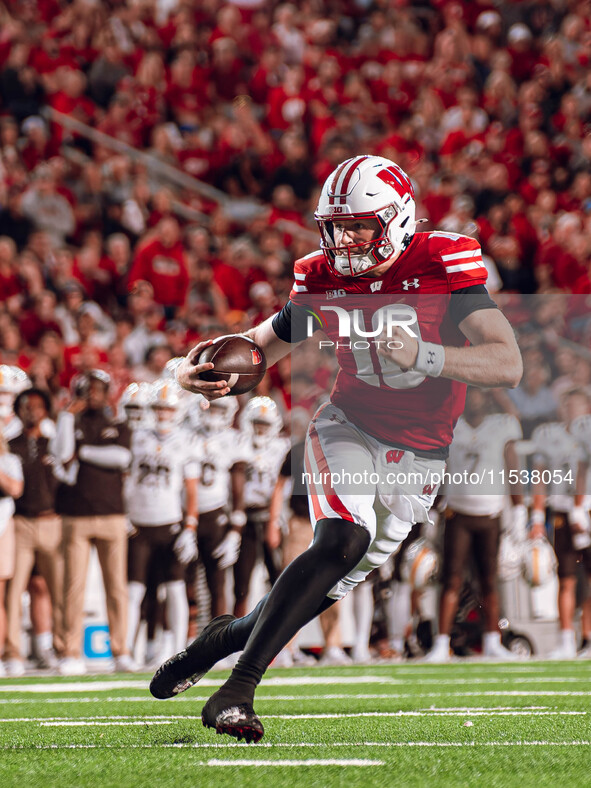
x: 40, y: 318
x: 47, y: 209
x: 154, y: 364
x: 533, y: 398
x: 11, y: 487
x: 38, y: 532
x: 147, y: 333
x: 162, y: 263
x: 96, y: 449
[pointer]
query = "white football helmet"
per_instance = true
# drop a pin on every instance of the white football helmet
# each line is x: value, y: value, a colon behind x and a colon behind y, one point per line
x: 12, y: 381
x: 219, y: 416
x: 261, y: 421
x: 366, y: 187
x: 169, y: 370
x: 419, y: 565
x: 166, y: 403
x: 134, y: 406
x: 539, y: 561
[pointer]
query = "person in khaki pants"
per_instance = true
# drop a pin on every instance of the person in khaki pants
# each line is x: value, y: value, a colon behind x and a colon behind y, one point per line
x: 95, y: 451
x: 38, y: 533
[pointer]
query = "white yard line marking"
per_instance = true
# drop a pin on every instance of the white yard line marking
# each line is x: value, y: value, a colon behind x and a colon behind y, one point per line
x: 111, y: 717
x: 122, y: 721
x: 190, y: 698
x: 291, y: 681
x: 75, y: 686
x: 295, y: 745
x: 310, y: 762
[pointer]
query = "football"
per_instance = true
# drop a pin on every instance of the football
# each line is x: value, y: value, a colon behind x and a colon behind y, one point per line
x: 236, y: 359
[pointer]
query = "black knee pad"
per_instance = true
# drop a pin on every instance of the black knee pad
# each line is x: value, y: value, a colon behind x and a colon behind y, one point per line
x: 340, y: 542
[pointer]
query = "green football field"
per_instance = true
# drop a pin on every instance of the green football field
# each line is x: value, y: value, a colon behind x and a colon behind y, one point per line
x: 478, y: 724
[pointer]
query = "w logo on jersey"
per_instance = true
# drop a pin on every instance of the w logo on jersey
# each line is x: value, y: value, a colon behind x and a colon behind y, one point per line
x: 257, y: 358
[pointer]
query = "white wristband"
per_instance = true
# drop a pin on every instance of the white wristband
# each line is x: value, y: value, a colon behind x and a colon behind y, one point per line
x: 579, y: 517
x: 430, y: 359
x: 538, y: 517
x: 237, y: 519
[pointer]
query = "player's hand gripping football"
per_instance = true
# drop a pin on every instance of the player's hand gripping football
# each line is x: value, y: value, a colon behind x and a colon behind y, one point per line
x: 399, y: 348
x: 187, y: 375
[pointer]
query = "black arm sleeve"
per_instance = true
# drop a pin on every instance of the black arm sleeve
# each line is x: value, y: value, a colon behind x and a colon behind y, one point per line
x: 290, y: 324
x: 467, y: 300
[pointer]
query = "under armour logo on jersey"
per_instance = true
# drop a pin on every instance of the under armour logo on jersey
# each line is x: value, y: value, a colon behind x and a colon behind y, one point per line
x: 413, y: 283
x: 375, y: 286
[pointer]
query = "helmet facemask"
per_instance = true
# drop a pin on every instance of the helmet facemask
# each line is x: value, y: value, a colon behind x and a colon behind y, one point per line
x: 263, y: 433
x: 219, y: 416
x: 358, y: 259
x: 165, y: 419
x: 261, y: 421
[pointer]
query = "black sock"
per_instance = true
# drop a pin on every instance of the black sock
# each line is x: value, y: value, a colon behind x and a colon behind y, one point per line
x: 240, y: 630
x: 299, y: 595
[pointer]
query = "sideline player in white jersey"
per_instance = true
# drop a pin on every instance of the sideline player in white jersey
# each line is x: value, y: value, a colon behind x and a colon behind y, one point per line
x: 134, y: 406
x: 563, y: 450
x: 163, y: 469
x: 398, y: 398
x: 483, y: 448
x: 223, y: 454
x: 12, y: 381
x: 260, y: 423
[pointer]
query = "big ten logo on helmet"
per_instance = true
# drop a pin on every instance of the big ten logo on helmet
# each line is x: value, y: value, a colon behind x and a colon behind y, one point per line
x: 353, y: 324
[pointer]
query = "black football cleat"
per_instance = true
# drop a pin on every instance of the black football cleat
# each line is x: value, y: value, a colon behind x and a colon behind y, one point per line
x: 184, y: 670
x: 236, y: 719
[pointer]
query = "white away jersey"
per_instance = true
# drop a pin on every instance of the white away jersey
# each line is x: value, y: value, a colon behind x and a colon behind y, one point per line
x: 159, y: 467
x: 262, y: 472
x: 217, y: 454
x: 479, y: 453
x: 558, y: 450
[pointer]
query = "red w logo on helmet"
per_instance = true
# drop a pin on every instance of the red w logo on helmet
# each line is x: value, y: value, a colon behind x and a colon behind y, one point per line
x: 398, y: 180
x: 256, y: 356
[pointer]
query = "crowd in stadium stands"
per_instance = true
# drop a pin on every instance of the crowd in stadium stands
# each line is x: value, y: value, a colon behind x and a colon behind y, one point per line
x: 108, y: 261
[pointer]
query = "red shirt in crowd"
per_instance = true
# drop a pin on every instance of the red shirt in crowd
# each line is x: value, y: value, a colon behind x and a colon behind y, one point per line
x: 165, y: 269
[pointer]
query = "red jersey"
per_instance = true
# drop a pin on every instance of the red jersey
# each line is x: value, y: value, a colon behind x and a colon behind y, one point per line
x: 405, y: 409
x: 166, y: 270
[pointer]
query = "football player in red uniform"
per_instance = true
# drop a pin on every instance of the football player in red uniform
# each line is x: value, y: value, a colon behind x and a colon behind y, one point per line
x: 393, y: 406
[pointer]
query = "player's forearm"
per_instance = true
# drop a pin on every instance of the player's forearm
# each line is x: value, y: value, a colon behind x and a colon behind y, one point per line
x: 581, y: 483
x: 494, y: 364
x: 237, y: 481
x: 512, y: 464
x: 112, y: 456
x: 266, y: 338
x: 277, y: 499
x: 191, y: 499
x: 11, y: 486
